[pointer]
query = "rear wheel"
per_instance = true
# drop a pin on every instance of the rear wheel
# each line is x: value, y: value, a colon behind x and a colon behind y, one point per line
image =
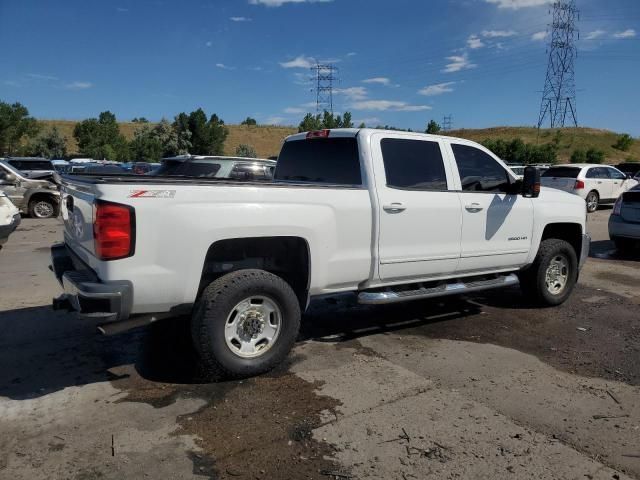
x: 42, y: 208
x: 593, y: 200
x: 554, y: 273
x: 245, y: 323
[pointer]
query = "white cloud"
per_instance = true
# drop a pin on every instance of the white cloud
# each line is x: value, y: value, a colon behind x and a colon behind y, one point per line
x: 208, y: 44
x: 279, y: 3
x: 539, y: 36
x: 383, y: 105
x: 275, y: 120
x: 351, y: 54
x: 353, y: 93
x: 518, y: 4
x: 294, y: 110
x: 629, y: 33
x: 474, y: 42
x: 595, y: 34
x: 12, y: 83
x: 121, y: 9
x: 240, y: 19
x: 436, y: 89
x: 369, y: 121
x: 380, y: 80
x: 498, y: 33
x: 39, y: 76
x: 298, y: 62
x: 457, y: 63
x: 224, y: 67
x: 79, y: 85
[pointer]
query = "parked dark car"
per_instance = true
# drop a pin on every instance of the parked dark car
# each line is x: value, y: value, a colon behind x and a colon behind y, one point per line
x: 96, y: 168
x: 141, y: 168
x: 630, y: 168
x: 624, y: 222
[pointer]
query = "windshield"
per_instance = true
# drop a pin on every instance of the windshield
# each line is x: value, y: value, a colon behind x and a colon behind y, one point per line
x: 562, y: 172
x: 12, y: 169
x: 31, y: 164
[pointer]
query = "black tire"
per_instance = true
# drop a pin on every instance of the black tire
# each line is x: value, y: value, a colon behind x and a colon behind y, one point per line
x: 533, y: 280
x: 218, y: 301
x: 593, y: 201
x: 42, y: 207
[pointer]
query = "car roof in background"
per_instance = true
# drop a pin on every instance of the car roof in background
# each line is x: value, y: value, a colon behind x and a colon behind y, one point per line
x: 184, y: 158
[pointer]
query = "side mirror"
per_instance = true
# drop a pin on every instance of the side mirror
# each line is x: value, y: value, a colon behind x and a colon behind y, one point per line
x: 531, y: 182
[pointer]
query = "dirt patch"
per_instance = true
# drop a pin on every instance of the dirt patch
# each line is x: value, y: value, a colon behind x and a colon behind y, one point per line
x: 618, y: 278
x: 263, y: 430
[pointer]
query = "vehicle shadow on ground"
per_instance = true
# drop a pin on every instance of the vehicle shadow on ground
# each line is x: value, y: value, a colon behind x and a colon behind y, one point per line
x: 606, y: 250
x: 43, y: 351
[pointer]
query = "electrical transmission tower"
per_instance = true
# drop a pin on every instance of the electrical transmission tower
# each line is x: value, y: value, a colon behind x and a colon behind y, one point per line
x: 324, y: 76
x: 559, y: 94
x: 447, y: 122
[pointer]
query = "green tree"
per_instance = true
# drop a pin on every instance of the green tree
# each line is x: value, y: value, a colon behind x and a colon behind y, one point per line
x: 140, y: 120
x: 578, y: 156
x: 206, y: 137
x: 362, y: 125
x: 249, y: 121
x: 327, y: 119
x: 432, y: 127
x: 145, y: 146
x: 49, y: 144
x: 163, y: 140
x: 624, y: 142
x: 247, y: 151
x: 100, y: 138
x: 594, y: 155
x: 15, y: 125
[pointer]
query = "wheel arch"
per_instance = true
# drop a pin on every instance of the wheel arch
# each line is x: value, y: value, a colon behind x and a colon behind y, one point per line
x: 570, y: 232
x: 287, y: 256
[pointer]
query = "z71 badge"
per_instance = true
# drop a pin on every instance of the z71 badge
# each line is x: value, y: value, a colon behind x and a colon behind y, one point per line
x: 152, y: 194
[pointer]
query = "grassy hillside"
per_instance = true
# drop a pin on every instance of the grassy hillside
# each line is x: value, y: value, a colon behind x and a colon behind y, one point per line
x: 265, y: 139
x: 268, y: 139
x: 571, y: 139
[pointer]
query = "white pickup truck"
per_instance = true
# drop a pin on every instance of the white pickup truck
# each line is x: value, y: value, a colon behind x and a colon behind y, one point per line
x: 389, y: 216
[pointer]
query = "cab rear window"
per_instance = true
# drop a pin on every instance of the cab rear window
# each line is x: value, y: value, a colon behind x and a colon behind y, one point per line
x: 329, y: 161
x: 562, y: 172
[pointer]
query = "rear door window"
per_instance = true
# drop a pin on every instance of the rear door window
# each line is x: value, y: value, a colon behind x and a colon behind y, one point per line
x: 562, y: 172
x: 332, y: 161
x: 413, y: 164
x: 615, y: 174
x: 479, y: 172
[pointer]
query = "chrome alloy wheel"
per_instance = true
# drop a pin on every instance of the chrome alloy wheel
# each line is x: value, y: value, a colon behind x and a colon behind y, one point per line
x: 43, y: 209
x: 253, y: 326
x: 592, y: 202
x: 557, y: 274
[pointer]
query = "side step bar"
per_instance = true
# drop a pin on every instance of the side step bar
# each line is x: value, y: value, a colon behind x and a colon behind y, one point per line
x: 440, y: 290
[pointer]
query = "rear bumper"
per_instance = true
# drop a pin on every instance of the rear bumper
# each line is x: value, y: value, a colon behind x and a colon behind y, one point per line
x: 584, y: 251
x: 621, y: 229
x: 85, y: 293
x: 6, y: 230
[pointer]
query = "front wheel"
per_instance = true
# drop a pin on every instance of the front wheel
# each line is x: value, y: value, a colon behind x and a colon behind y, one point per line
x: 550, y: 279
x: 593, y: 200
x: 244, y: 324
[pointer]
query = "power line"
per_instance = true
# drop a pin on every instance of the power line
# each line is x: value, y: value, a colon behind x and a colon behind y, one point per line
x: 325, y: 75
x: 559, y: 93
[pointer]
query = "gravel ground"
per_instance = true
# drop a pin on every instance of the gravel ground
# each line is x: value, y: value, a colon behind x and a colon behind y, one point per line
x: 477, y: 387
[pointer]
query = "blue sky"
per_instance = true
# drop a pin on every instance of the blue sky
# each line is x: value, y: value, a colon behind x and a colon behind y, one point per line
x: 400, y: 62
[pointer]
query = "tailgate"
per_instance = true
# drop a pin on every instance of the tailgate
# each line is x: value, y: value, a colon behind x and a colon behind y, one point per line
x: 77, y: 214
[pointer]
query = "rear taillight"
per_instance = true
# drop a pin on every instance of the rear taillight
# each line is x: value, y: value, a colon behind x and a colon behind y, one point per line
x: 113, y: 230
x: 579, y: 185
x: 617, y: 206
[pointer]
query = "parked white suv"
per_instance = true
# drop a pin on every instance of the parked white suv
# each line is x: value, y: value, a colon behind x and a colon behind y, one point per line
x: 597, y: 184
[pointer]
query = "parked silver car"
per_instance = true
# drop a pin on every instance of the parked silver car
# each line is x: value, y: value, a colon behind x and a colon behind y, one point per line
x: 238, y: 168
x: 37, y: 197
x: 624, y: 222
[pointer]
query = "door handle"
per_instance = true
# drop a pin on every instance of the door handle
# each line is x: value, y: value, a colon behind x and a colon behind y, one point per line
x: 474, y: 207
x: 395, y: 207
